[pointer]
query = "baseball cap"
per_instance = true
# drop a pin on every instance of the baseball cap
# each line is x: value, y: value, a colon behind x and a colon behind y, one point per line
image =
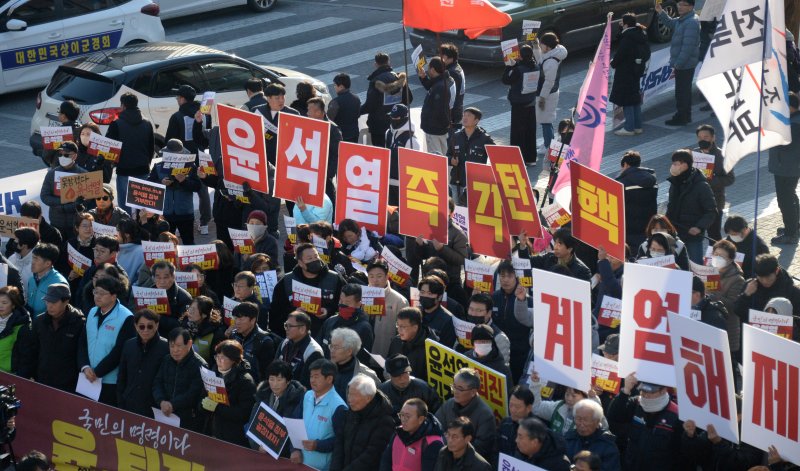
x: 57, y: 292
x: 611, y: 345
x: 398, y: 365
x: 399, y: 112
x: 68, y: 147
x: 649, y: 387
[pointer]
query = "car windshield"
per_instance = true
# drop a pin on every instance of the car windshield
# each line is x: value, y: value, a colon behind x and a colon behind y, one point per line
x: 83, y: 88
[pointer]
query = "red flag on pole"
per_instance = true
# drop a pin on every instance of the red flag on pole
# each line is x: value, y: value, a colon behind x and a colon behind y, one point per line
x: 474, y: 16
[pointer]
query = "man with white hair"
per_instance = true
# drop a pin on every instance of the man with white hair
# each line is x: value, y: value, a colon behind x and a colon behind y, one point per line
x: 368, y: 426
x: 344, y: 346
x: 590, y: 435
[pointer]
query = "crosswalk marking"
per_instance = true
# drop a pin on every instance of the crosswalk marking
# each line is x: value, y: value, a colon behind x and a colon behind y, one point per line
x: 365, y: 56
x: 256, y: 39
x: 225, y: 27
x: 325, y: 43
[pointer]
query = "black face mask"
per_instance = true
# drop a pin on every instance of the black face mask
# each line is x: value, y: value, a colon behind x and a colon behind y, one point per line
x: 476, y: 320
x: 399, y: 123
x: 566, y: 137
x: 426, y: 302
x: 705, y: 145
x: 315, y: 267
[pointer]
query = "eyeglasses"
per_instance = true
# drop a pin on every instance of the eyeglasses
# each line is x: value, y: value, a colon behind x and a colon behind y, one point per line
x: 403, y: 417
x: 145, y: 326
x: 403, y: 327
x: 103, y: 198
x: 101, y: 250
x: 98, y: 292
x: 288, y: 326
x: 459, y: 388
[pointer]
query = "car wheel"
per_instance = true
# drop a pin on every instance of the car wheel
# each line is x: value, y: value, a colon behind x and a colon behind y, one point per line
x: 136, y: 41
x: 261, y: 5
x: 659, y: 32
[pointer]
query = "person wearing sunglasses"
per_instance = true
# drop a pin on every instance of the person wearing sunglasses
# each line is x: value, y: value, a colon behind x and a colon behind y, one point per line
x: 105, y: 212
x: 141, y: 359
x: 62, y: 215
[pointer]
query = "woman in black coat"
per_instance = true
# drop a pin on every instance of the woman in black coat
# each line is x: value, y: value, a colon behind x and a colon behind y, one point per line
x: 629, y: 62
x: 228, y: 421
x: 282, y: 394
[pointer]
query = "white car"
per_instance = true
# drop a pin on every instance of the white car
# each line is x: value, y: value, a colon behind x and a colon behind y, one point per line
x: 36, y: 36
x: 153, y: 72
x: 177, y: 8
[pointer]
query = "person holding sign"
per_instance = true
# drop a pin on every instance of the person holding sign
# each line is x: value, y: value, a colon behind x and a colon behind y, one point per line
x: 62, y: 215
x: 609, y: 270
x: 178, y: 388
x: 90, y: 162
x: 522, y: 96
x: 479, y: 312
x: 78, y: 252
x: 485, y: 350
x: 435, y: 316
x: 384, y: 326
x: 178, y: 298
x: 511, y: 297
x: 27, y: 239
x: 204, y: 322
x: 660, y: 223
x: 712, y: 312
x: 719, y: 178
x: 179, y: 198
x: 563, y: 254
x: 228, y: 420
x: 771, y: 281
x: 559, y: 414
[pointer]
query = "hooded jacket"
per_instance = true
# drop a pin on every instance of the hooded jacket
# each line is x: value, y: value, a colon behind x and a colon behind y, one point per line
x: 550, y: 456
x: 435, y: 115
x: 691, y: 203
x: 138, y: 142
x: 784, y: 308
x: 430, y: 436
x: 383, y: 81
x: 641, y: 198
x: 364, y: 436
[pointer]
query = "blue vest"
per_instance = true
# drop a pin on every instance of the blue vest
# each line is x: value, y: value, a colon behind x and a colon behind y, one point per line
x: 319, y: 426
x: 101, y: 339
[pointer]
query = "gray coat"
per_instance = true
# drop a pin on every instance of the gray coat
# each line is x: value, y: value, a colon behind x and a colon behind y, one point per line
x: 684, y: 49
x: 784, y: 161
x: 482, y: 419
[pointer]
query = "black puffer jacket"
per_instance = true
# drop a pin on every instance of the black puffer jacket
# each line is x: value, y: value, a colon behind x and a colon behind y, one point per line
x: 228, y: 422
x: 513, y: 76
x: 416, y: 389
x: 138, y: 143
x: 641, y: 198
x: 52, y: 357
x: 383, y: 80
x: 435, y: 115
x: 467, y: 149
x: 364, y: 436
x: 691, y: 203
x: 182, y: 386
x: 551, y: 456
x: 414, y: 349
x: 176, y: 129
x: 138, y: 367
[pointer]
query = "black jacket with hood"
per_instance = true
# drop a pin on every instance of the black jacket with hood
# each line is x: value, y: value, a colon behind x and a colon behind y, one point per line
x: 138, y: 143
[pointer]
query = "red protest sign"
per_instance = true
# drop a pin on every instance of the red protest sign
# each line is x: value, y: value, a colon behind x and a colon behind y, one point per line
x: 362, y: 185
x: 302, y: 159
x: 243, y: 149
x: 604, y: 374
x: 188, y: 280
x: 204, y: 255
x: 488, y: 232
x: 423, y: 194
x: 512, y: 180
x: 399, y: 271
x: 598, y: 210
x: 242, y: 241
x: 478, y: 276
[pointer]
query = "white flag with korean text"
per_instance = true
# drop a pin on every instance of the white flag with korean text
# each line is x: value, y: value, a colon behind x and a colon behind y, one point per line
x: 730, y: 77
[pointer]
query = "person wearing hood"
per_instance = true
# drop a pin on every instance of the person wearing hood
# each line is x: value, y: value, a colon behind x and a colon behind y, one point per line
x: 629, y: 63
x: 228, y: 421
x: 522, y: 97
x: 771, y: 281
x: 641, y: 196
x: 720, y: 179
x: 416, y: 442
x: 550, y: 56
x: 485, y: 350
x: 264, y: 241
x: 410, y: 340
x: 559, y: 414
x: 466, y: 402
x: 661, y: 244
x: 520, y: 407
x: 139, y: 362
x: 479, y: 312
x: 467, y: 145
x: 15, y: 331
x: 590, y: 435
x: 179, y: 196
x: 349, y: 315
x: 660, y: 223
x: 737, y: 230
x: 138, y: 144
x: 385, y: 90
x: 399, y: 134
x: 691, y: 205
x: 402, y: 386
x: 654, y: 429
x: 366, y: 430
x: 344, y: 348
x: 310, y: 270
x: 178, y: 299
x: 460, y: 454
x: 282, y: 394
x: 62, y: 215
x: 204, y: 323
x: 539, y: 446
x: 131, y: 254
x: 783, y: 307
x: 105, y: 212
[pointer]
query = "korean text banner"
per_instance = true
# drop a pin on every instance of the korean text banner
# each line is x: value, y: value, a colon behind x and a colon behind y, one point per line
x: 647, y: 295
x: 363, y: 185
x: 302, y: 160
x: 562, y: 329
x: 598, y: 210
x: 771, y: 395
x: 244, y: 153
x: 423, y: 195
x: 444, y: 363
x: 512, y: 180
x: 78, y: 433
x: 704, y: 375
x: 488, y: 231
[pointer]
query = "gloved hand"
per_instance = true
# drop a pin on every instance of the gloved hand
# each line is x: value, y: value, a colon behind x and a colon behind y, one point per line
x: 208, y: 404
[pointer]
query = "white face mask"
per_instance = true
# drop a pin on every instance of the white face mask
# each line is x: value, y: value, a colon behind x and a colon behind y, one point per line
x: 675, y: 170
x: 656, y: 253
x: 483, y: 349
x: 719, y: 262
x: 256, y: 230
x: 651, y: 405
x: 736, y: 238
x: 65, y: 161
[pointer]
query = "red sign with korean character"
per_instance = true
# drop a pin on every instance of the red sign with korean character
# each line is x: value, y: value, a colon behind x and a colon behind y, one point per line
x: 155, y: 251
x: 204, y: 255
x: 423, y: 195
x: 244, y: 153
x: 478, y: 276
x: 363, y: 185
x: 108, y: 149
x: 302, y: 159
x: 512, y: 179
x: 242, y: 241
x: 227, y: 306
x: 188, y: 280
x: 488, y: 231
x: 598, y: 210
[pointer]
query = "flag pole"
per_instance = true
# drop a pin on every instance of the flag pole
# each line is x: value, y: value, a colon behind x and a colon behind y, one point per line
x: 405, y: 65
x: 760, y: 131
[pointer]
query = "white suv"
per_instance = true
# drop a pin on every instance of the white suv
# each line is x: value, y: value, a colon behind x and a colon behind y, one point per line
x: 153, y: 72
x: 36, y: 36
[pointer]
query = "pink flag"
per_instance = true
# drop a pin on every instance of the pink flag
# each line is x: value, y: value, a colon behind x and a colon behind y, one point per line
x: 588, y: 140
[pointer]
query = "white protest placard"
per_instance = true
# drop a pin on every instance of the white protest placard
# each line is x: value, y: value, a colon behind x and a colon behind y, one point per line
x: 204, y: 255
x: 227, y: 307
x: 373, y: 300
x: 647, y: 295
x: 180, y: 164
x: 171, y: 419
x: 562, y: 329
x: 463, y: 332
x: 266, y: 283
x: 530, y: 82
x: 509, y: 463
x: 510, y: 48
x: 530, y: 29
x: 704, y: 163
x: 704, y: 375
x: 461, y: 219
x: 155, y: 251
x: 777, y: 324
x: 379, y: 360
x: 307, y: 298
x: 418, y: 58
x: 399, y: 271
x: 666, y: 261
x: 90, y: 389
x: 207, y: 102
x: 101, y: 146
x: 242, y: 241
x: 771, y: 394
x: 522, y: 268
x: 479, y: 276
x: 215, y: 386
x: 104, y: 230
x: 188, y: 280
x: 77, y: 261
x: 610, y: 312
x: 291, y: 229
x: 297, y: 431
x: 555, y: 216
x: 710, y: 275
x: 53, y: 136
